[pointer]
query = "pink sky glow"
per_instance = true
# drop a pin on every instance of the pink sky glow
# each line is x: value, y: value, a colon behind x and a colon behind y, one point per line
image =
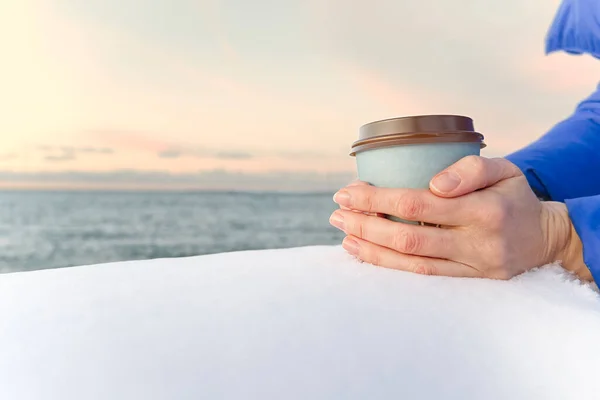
x: 262, y: 98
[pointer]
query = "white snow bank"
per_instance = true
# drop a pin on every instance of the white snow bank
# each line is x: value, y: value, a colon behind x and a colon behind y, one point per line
x: 307, y: 323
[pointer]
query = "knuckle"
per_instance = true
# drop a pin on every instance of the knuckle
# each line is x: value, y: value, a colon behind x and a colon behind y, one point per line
x: 376, y: 259
x: 410, y: 207
x: 407, y: 241
x: 368, y: 199
x: 496, y: 213
x: 476, y: 164
x: 508, y: 167
x: 355, y: 225
x: 423, y: 268
x: 370, y: 255
x: 361, y: 230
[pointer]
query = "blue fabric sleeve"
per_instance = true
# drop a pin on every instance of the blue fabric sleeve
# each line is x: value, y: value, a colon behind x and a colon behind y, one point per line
x: 585, y: 215
x: 564, y: 164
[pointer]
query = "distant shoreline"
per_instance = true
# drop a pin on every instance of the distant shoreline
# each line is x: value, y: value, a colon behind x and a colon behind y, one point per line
x: 168, y: 191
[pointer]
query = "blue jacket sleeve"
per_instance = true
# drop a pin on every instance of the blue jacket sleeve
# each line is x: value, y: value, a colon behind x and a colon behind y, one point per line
x: 585, y: 216
x: 564, y: 164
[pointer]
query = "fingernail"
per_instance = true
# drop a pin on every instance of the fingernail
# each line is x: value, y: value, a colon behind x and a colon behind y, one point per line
x: 351, y: 246
x: 342, y: 198
x: 446, y: 182
x: 337, y: 220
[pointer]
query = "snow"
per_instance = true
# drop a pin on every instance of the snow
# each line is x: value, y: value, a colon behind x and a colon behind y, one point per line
x: 304, y: 323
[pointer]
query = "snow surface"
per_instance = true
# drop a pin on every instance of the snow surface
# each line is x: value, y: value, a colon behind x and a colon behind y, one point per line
x: 305, y: 323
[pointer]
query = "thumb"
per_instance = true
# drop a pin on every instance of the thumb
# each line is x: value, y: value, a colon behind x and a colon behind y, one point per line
x: 470, y: 174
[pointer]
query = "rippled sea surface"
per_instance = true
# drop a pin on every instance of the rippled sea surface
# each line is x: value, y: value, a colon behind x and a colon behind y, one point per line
x: 58, y: 229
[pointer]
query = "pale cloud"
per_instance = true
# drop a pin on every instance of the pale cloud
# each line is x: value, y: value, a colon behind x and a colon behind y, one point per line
x: 170, y: 153
x: 71, y: 153
x: 148, y: 142
x: 92, y: 150
x: 176, y: 152
x: 179, y: 151
x: 73, y: 149
x: 60, y: 157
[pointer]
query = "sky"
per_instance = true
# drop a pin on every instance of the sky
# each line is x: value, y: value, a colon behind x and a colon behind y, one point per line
x: 261, y: 95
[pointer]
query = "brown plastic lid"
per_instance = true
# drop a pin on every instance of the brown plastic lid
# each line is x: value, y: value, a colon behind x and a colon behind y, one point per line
x: 417, y: 130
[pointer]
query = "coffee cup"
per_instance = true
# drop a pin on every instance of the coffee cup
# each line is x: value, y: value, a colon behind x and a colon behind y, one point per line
x: 407, y: 152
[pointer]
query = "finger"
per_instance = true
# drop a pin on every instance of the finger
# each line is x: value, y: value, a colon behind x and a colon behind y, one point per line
x: 409, y: 204
x: 404, y: 238
x: 360, y: 183
x: 353, y: 183
x: 387, y: 258
x: 472, y: 173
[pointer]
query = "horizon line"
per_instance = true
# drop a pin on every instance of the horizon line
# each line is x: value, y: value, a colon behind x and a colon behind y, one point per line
x: 166, y: 190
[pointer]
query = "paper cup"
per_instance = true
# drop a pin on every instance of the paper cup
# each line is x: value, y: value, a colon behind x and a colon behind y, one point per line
x: 408, y: 152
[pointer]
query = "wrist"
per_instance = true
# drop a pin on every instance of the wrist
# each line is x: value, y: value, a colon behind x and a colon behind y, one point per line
x: 563, y: 241
x: 572, y: 257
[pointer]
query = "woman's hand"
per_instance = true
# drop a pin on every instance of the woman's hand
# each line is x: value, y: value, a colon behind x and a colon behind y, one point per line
x: 492, y: 224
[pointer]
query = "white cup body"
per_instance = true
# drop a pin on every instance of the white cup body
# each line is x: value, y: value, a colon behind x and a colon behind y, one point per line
x: 410, y: 166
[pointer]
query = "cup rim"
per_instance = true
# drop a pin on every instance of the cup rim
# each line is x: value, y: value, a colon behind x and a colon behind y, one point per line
x: 417, y: 138
x: 417, y: 129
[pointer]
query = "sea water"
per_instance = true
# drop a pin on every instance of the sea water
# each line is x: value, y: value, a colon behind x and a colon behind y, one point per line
x: 41, y: 229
